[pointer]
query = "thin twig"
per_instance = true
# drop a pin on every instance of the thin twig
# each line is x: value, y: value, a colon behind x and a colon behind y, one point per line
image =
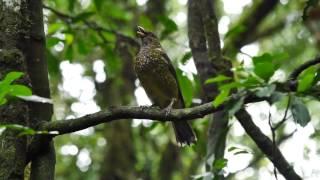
x: 241, y: 52
x: 273, y: 144
x: 285, y: 114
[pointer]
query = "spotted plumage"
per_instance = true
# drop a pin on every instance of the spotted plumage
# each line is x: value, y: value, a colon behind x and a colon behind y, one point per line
x: 157, y: 76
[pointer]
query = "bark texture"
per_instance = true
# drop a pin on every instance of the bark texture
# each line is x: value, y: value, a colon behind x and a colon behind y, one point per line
x: 204, y: 42
x: 14, y: 25
x: 22, y: 45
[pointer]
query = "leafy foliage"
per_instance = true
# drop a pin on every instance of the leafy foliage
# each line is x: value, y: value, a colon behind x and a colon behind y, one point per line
x: 300, y: 112
x: 23, y: 130
x: 169, y: 26
x: 7, y: 88
x: 71, y: 39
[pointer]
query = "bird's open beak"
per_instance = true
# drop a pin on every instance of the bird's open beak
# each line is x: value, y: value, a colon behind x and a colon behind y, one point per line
x: 141, y: 32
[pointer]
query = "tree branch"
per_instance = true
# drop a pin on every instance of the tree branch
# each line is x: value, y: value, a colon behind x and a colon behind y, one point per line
x: 263, y: 142
x: 137, y: 112
x: 266, y: 32
x: 197, y: 43
x: 266, y: 146
x: 250, y: 21
x: 218, y: 128
x: 43, y: 164
x: 125, y: 112
x: 210, y: 25
x: 294, y: 75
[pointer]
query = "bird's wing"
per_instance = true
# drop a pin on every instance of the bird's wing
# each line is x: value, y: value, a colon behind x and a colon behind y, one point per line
x: 166, y: 58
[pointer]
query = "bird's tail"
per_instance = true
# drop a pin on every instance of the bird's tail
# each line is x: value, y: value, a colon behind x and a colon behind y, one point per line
x: 184, y: 133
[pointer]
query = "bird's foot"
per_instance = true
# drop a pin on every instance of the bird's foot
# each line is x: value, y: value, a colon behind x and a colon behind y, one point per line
x: 168, y: 109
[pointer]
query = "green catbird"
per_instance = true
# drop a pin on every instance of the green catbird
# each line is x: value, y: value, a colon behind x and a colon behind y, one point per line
x: 158, y: 77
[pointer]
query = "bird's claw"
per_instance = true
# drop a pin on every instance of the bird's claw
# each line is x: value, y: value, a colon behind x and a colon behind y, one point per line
x: 168, y: 109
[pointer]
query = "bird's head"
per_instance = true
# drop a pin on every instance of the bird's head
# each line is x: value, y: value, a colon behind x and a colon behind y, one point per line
x: 147, y: 38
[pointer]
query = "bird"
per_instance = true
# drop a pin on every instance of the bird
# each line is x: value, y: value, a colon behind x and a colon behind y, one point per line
x: 158, y: 78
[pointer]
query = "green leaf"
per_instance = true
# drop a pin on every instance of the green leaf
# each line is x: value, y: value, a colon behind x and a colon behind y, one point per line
x: 69, y: 38
x: 251, y: 82
x: 4, y: 89
x: 306, y: 79
x: 221, y: 98
x: 69, y: 53
x: 219, y: 78
x: 186, y: 87
x: 20, y: 90
x: 82, y: 46
x: 300, y: 112
x: 230, y: 86
x: 52, y: 41
x: 27, y: 131
x: 220, y: 164
x: 54, y: 27
x: 186, y: 57
x: 169, y: 26
x: 3, y: 101
x: 263, y: 66
x: 24, y: 130
x: 11, y: 76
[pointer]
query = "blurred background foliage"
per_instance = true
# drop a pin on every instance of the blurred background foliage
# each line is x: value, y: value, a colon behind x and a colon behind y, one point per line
x: 90, y: 48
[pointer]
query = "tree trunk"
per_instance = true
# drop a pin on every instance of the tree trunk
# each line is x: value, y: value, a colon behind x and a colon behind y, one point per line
x: 13, y: 28
x: 22, y: 44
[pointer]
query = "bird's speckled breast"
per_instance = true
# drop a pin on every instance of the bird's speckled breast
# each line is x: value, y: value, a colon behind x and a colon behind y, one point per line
x: 149, y: 61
